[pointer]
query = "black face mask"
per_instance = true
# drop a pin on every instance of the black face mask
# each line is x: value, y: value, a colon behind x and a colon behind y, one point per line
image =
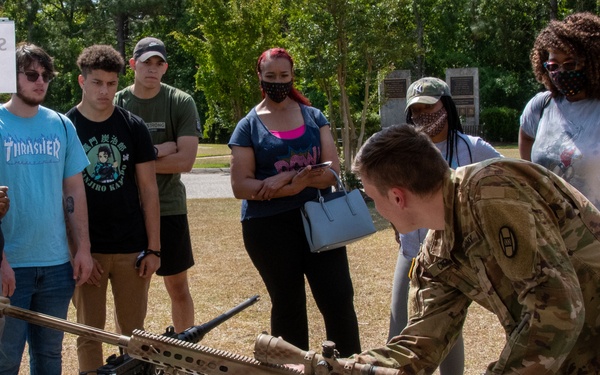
x: 277, y: 92
x: 569, y: 82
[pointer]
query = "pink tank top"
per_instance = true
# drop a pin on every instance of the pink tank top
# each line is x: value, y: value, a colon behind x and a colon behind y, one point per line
x: 289, y: 134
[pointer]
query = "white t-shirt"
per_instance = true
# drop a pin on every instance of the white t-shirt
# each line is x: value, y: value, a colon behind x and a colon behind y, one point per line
x: 567, y: 140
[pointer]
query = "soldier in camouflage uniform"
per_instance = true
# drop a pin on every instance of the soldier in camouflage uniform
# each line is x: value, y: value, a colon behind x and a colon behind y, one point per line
x: 507, y: 234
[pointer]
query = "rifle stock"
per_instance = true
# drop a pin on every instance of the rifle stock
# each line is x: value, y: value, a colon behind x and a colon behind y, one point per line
x: 180, y: 357
x: 275, y: 350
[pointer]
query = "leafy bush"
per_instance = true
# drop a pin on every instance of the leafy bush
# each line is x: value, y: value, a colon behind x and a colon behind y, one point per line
x: 500, y: 124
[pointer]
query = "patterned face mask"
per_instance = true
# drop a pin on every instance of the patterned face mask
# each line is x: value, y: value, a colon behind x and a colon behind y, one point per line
x: 277, y: 92
x: 568, y: 82
x: 431, y: 123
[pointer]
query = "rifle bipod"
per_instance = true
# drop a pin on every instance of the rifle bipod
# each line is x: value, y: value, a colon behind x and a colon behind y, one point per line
x: 170, y: 355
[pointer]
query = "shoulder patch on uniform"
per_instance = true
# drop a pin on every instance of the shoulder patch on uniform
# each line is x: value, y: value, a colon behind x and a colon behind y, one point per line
x: 508, y: 241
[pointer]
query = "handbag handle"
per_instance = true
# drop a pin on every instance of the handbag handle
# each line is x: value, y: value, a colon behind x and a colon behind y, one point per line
x: 340, y: 186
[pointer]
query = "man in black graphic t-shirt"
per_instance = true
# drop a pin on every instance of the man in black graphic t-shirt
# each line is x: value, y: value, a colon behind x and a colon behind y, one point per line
x: 123, y: 205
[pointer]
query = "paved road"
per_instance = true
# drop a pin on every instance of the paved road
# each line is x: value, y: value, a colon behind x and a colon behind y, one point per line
x: 207, y: 183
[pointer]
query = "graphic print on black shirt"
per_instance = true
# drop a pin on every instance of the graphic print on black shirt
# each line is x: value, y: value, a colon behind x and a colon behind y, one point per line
x: 113, y: 148
x: 105, y: 170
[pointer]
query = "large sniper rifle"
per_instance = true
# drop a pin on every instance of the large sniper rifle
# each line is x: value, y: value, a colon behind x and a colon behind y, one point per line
x: 124, y: 364
x: 174, y: 356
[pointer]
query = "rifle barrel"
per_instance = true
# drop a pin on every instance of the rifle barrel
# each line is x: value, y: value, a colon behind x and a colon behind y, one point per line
x: 196, y: 333
x: 49, y: 321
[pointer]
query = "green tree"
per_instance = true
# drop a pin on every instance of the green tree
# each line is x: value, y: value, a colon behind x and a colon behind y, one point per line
x: 229, y: 38
x: 64, y: 28
x: 344, y: 45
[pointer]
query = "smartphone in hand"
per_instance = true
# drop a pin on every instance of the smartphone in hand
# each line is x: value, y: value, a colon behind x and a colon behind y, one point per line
x: 318, y: 166
x: 325, y: 164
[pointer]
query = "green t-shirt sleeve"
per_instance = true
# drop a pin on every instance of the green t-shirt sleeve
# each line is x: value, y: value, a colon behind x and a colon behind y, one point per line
x: 188, y: 120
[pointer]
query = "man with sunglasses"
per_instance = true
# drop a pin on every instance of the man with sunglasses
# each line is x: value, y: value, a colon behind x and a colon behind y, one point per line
x: 41, y: 162
x: 560, y: 127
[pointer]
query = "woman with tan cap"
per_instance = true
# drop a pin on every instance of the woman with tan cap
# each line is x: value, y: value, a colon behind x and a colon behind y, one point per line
x: 430, y: 107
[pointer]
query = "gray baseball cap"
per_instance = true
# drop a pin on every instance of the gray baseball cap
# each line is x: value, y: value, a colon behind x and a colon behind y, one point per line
x: 426, y: 90
x: 148, y: 47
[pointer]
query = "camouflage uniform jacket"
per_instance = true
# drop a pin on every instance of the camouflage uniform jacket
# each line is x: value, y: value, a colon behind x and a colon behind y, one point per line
x: 522, y: 243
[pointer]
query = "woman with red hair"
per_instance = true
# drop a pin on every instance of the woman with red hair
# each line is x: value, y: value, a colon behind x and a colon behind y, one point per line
x: 273, y: 150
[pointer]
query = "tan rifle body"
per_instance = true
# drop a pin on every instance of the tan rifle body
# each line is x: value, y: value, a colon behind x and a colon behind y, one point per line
x: 180, y: 357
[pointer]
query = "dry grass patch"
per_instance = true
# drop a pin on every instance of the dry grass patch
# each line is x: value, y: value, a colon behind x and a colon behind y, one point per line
x: 224, y: 277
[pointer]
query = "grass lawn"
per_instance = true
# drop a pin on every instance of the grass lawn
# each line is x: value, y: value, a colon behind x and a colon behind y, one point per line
x: 224, y: 276
x: 212, y: 156
x: 509, y: 151
x: 218, y: 156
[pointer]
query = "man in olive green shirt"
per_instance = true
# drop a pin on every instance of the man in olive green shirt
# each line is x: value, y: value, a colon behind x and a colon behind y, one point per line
x: 174, y: 125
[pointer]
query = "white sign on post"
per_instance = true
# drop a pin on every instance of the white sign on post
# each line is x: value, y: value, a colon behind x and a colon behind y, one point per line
x: 8, y: 83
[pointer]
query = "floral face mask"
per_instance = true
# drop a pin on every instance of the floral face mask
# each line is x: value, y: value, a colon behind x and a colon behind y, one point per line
x: 431, y: 123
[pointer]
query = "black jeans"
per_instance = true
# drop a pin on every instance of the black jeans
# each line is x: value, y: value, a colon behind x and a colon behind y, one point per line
x: 277, y: 246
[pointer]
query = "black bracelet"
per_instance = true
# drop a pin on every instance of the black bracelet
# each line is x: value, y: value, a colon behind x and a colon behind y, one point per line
x: 154, y: 252
x: 143, y: 254
x: 156, y: 152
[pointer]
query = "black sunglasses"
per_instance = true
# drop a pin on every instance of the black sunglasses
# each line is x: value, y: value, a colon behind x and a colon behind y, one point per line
x: 33, y: 76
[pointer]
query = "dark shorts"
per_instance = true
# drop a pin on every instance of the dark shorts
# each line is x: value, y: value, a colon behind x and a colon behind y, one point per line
x: 176, y: 245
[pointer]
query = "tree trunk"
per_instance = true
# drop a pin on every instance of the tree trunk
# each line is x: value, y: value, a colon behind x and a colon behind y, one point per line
x: 325, y: 85
x: 366, y: 103
x: 420, y: 68
x: 553, y: 9
x: 344, y: 115
x: 122, y: 25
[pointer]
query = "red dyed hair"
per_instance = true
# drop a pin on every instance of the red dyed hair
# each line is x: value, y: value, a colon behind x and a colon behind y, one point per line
x: 281, y: 53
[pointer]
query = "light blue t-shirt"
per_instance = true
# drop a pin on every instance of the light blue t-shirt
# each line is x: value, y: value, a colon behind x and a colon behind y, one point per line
x: 567, y: 140
x: 38, y: 153
x: 468, y: 150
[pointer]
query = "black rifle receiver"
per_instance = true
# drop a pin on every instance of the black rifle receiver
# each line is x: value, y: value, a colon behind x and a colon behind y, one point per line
x: 125, y: 365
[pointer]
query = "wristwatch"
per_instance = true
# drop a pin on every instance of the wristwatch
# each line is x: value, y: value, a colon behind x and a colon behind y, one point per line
x: 143, y: 254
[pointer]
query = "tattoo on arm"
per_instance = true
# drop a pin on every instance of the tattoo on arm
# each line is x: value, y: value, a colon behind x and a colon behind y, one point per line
x: 70, y: 205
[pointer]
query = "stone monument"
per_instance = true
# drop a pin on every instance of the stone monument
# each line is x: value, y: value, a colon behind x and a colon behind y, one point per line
x: 464, y: 87
x: 392, y: 94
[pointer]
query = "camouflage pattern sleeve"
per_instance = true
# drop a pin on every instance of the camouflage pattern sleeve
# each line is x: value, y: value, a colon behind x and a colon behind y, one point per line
x: 523, y: 244
x: 436, y: 316
x: 529, y: 274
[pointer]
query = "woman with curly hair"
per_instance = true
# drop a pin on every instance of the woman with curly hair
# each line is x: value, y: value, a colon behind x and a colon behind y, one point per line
x: 560, y: 128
